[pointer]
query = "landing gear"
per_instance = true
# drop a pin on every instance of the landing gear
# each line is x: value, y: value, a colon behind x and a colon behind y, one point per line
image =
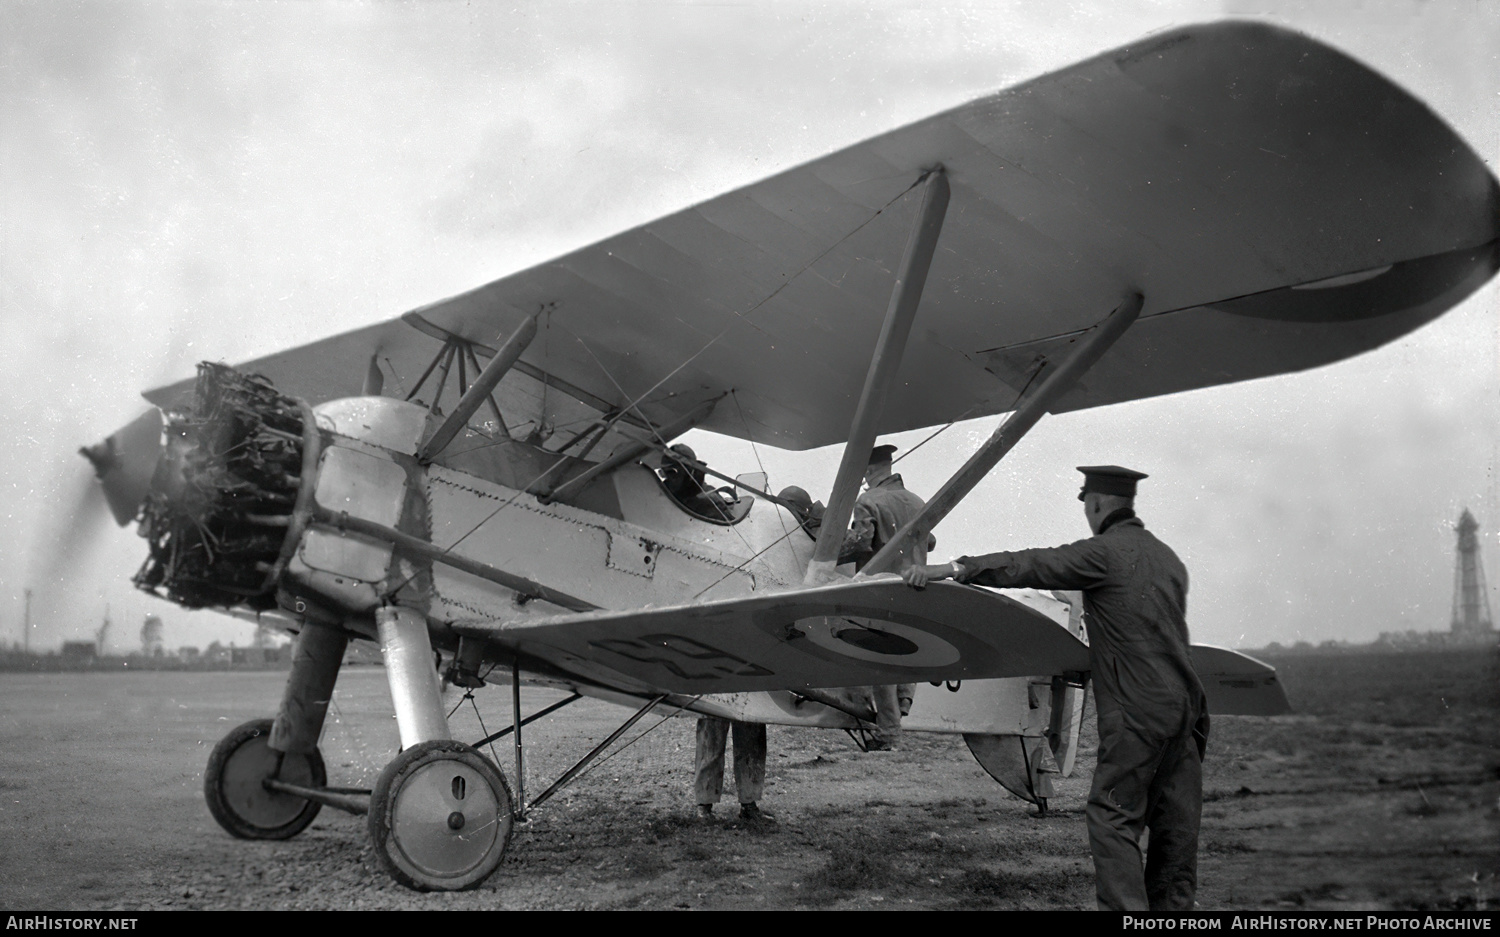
x: 237, y: 797
x: 441, y: 814
x: 440, y: 817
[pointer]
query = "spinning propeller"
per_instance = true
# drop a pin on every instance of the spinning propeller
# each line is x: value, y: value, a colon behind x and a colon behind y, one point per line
x: 125, y: 463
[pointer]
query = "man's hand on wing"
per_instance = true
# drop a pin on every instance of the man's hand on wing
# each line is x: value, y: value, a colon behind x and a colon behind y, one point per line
x: 919, y: 576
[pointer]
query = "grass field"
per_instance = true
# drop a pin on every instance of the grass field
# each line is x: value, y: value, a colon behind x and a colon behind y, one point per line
x: 1379, y: 794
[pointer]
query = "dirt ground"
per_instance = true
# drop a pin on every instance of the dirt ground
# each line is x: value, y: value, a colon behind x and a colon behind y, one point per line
x: 1379, y: 795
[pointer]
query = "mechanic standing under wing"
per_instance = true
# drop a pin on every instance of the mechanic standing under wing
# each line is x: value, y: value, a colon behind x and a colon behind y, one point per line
x: 686, y: 483
x: 1153, y: 715
x: 883, y: 508
x: 749, y: 737
x: 749, y: 765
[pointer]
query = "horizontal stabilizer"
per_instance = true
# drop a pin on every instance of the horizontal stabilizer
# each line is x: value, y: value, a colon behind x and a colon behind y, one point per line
x: 1238, y: 685
x: 875, y: 631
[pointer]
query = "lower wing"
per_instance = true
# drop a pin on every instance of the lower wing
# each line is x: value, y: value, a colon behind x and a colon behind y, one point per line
x: 876, y: 631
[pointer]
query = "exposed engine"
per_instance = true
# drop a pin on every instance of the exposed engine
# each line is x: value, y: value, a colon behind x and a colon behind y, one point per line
x: 223, y: 494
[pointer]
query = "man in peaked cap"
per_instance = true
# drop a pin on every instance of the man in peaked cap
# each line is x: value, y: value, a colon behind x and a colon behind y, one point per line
x: 1153, y: 715
x: 883, y: 508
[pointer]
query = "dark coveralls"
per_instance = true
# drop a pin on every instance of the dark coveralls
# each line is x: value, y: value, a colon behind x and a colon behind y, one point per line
x: 1153, y: 715
x: 882, y: 510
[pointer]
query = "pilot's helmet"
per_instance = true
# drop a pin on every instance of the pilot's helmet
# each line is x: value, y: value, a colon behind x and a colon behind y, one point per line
x: 798, y: 497
x: 669, y: 464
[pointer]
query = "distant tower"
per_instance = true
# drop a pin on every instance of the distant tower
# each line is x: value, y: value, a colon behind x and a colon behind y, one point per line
x: 102, y: 634
x: 1471, y: 603
x: 151, y: 643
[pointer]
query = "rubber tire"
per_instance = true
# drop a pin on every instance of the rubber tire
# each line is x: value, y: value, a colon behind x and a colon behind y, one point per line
x: 229, y: 807
x: 386, y: 798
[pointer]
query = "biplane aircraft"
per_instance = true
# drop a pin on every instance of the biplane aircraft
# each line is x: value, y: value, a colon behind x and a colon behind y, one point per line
x: 477, y: 479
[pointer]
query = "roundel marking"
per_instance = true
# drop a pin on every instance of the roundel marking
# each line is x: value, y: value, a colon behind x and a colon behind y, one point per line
x: 879, y: 642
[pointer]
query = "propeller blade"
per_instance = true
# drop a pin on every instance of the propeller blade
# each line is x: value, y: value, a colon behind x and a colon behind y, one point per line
x: 64, y: 546
x: 126, y: 462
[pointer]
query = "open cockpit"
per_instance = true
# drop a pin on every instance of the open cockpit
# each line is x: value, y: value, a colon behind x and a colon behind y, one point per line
x: 685, y: 481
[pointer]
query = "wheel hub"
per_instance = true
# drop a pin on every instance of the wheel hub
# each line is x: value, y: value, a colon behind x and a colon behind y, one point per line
x: 445, y: 818
x: 234, y: 784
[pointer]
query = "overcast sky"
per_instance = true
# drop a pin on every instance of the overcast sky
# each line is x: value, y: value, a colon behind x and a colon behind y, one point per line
x: 184, y: 181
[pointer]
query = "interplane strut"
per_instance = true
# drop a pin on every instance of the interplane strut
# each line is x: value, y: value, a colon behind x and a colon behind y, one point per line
x: 1094, y: 344
x: 911, y: 277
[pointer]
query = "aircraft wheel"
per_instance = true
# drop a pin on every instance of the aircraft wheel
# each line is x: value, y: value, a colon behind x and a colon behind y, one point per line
x: 236, y: 798
x: 440, y: 817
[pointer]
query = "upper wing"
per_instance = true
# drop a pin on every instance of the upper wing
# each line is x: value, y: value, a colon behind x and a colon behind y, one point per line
x: 876, y: 631
x: 1279, y: 205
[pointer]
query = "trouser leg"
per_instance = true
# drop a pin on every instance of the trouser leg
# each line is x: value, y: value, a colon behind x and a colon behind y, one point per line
x: 708, y: 762
x: 1116, y: 814
x: 749, y: 760
x: 905, y: 693
x: 1173, y: 817
x: 887, y: 714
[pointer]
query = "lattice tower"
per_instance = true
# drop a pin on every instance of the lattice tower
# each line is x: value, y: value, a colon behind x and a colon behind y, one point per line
x: 1471, y: 603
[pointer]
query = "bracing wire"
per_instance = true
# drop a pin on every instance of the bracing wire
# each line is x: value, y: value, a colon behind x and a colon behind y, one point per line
x: 754, y: 450
x: 938, y: 432
x: 965, y: 415
x: 634, y: 404
x: 654, y: 431
x: 743, y: 316
x: 747, y: 562
x: 483, y: 728
x: 400, y: 384
x: 505, y: 504
x: 658, y: 725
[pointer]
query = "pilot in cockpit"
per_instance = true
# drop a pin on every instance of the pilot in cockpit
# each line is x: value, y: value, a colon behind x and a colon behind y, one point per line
x: 809, y: 513
x: 684, y: 480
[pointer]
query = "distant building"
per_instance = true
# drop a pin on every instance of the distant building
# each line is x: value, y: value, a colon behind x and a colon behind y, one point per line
x: 247, y: 655
x: 80, y: 650
x: 1414, y: 640
x: 258, y: 656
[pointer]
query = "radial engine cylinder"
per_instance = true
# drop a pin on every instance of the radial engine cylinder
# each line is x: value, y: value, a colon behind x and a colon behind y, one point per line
x: 221, y: 503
